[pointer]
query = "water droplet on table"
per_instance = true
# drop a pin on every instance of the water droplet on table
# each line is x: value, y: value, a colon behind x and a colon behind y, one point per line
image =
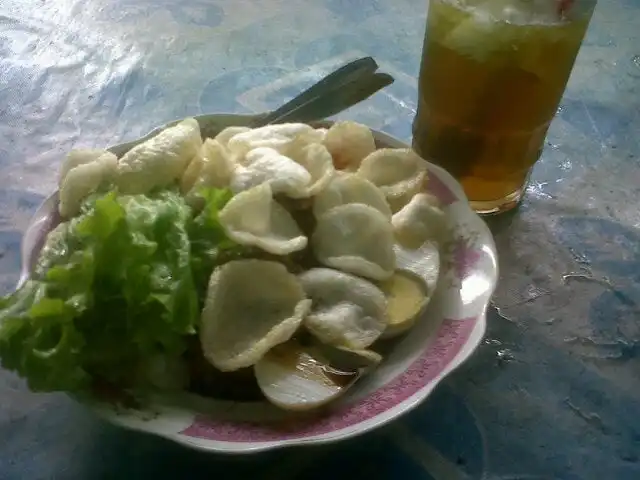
x: 579, y: 257
x: 505, y: 356
x: 519, y: 477
x: 568, y: 277
x: 591, y: 418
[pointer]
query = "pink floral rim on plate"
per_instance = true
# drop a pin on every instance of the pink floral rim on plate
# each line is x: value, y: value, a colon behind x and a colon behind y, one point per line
x: 451, y: 336
x: 453, y: 327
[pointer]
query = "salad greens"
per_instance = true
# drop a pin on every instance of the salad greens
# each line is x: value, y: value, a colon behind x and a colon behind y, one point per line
x: 209, y: 244
x: 118, y: 284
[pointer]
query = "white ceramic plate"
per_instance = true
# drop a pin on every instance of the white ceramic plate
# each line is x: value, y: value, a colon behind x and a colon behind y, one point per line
x: 450, y: 330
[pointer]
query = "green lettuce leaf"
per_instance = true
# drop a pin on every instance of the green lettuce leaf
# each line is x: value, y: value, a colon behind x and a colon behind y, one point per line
x: 145, y: 299
x: 209, y: 244
x: 39, y: 340
x: 113, y: 287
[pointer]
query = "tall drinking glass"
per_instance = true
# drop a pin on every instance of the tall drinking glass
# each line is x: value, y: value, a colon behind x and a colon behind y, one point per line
x: 491, y: 79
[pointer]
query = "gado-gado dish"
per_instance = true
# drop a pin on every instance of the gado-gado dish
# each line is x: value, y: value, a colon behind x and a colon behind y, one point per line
x: 262, y: 263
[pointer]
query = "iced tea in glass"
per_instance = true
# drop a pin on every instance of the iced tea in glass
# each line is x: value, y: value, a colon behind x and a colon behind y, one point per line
x: 491, y: 78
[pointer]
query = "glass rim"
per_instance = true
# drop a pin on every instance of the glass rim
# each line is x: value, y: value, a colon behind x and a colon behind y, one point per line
x: 576, y: 9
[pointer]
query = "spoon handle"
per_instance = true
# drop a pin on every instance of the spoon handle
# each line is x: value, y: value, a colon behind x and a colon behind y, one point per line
x: 339, y: 90
x: 338, y: 100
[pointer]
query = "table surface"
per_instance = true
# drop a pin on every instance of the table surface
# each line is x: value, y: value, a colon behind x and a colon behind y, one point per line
x: 554, y: 391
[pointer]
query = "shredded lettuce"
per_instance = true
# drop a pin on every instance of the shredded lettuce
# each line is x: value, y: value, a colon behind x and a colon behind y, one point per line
x: 209, y: 244
x: 120, y: 283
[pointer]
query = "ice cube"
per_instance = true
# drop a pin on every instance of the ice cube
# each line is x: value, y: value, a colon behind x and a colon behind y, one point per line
x: 479, y: 36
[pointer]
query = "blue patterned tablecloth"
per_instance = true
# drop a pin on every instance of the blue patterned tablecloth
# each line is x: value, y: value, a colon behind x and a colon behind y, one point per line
x: 554, y: 391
